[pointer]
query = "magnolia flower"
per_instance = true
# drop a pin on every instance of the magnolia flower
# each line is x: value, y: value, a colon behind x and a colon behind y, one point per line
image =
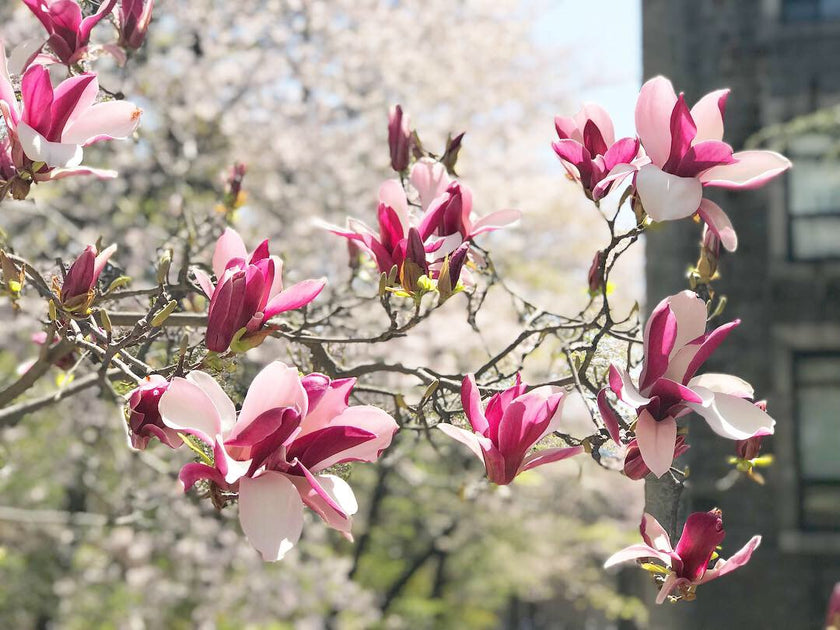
x: 686, y: 566
x: 143, y: 417
x: 77, y: 290
x: 69, y: 32
x: 450, y: 217
x: 590, y: 153
x: 134, y: 17
x: 399, y: 138
x: 687, y: 152
x: 274, y: 451
x: 248, y: 294
x: 430, y: 179
x: 49, y: 129
x: 512, y: 422
x: 676, y: 345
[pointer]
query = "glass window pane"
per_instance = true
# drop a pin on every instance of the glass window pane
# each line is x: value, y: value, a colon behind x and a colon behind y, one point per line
x: 815, y: 237
x: 821, y: 507
x: 818, y: 370
x: 815, y: 186
x: 819, y: 438
x: 830, y: 9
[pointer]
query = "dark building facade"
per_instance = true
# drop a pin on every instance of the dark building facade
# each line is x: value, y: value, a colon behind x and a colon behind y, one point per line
x: 782, y: 60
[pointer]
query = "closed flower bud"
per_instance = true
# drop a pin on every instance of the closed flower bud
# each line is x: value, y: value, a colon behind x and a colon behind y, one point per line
x: 399, y: 139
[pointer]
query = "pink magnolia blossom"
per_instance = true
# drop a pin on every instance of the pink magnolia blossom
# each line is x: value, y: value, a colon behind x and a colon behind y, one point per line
x: 590, y: 153
x: 275, y: 450
x: 687, y: 565
x: 249, y: 293
x: 687, y: 153
x: 134, y: 17
x: 399, y: 138
x: 69, y: 32
x: 512, y: 422
x: 144, y: 421
x: 676, y: 345
x: 51, y: 126
x: 77, y: 290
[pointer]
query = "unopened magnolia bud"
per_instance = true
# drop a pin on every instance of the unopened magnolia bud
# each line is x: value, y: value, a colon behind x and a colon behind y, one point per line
x: 399, y: 139
x: 450, y: 155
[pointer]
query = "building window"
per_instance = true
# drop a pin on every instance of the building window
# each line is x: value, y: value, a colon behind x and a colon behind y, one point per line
x: 814, y: 199
x: 810, y: 10
x: 817, y: 396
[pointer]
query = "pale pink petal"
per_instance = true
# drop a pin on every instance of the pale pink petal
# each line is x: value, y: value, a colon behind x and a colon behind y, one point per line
x: 329, y: 407
x: 667, y: 197
x: 653, y: 118
x: 654, y: 534
x: 739, y: 559
x: 61, y: 173
x: 391, y: 193
x: 623, y: 387
x: 430, y: 180
x: 549, y: 455
x: 271, y: 514
x: 732, y: 417
x: 471, y: 404
x: 102, y: 259
x: 39, y: 149
x: 231, y: 469
x: 668, y: 585
x: 690, y: 312
x: 656, y: 440
x: 223, y: 404
x: 103, y: 121
x: 185, y: 407
x: 617, y: 174
x: 708, y: 116
x: 295, y: 297
x: 752, y: 169
x: 228, y: 247
x: 204, y: 282
x: 7, y: 91
x: 495, y: 221
x: 275, y: 387
x: 723, y: 384
x: 637, y: 552
x: 277, y: 283
x: 598, y: 115
x: 370, y: 419
x: 719, y: 223
x: 467, y: 438
x: 340, y: 493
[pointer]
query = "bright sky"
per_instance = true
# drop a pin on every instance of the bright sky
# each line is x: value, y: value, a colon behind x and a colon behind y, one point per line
x: 601, y: 41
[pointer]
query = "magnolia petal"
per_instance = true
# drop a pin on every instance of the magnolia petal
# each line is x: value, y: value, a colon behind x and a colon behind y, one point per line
x: 653, y: 118
x: 690, y: 312
x: 276, y: 386
x: 656, y: 440
x: 340, y: 493
x: 668, y: 585
x: 733, y: 417
x: 719, y: 223
x: 667, y: 197
x: 295, y: 297
x: 271, y: 514
x: 103, y: 121
x: 7, y: 91
x: 430, y: 179
x: 750, y: 170
x: 623, y: 387
x: 471, y: 403
x: 333, y: 402
x: 708, y: 115
x: 637, y: 552
x: 185, y: 407
x: 367, y: 418
x: 229, y: 246
x: 739, y: 559
x: 549, y: 455
x: 723, y: 384
x: 204, y: 282
x: 39, y: 149
x: 194, y: 472
x: 102, y: 259
x: 654, y: 534
x: 61, y: 173
x: 495, y: 221
x: 391, y: 193
x: 467, y: 438
x: 609, y: 417
x: 601, y: 118
x: 223, y: 404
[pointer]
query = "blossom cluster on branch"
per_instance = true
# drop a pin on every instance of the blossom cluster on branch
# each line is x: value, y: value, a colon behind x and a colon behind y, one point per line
x: 287, y: 445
